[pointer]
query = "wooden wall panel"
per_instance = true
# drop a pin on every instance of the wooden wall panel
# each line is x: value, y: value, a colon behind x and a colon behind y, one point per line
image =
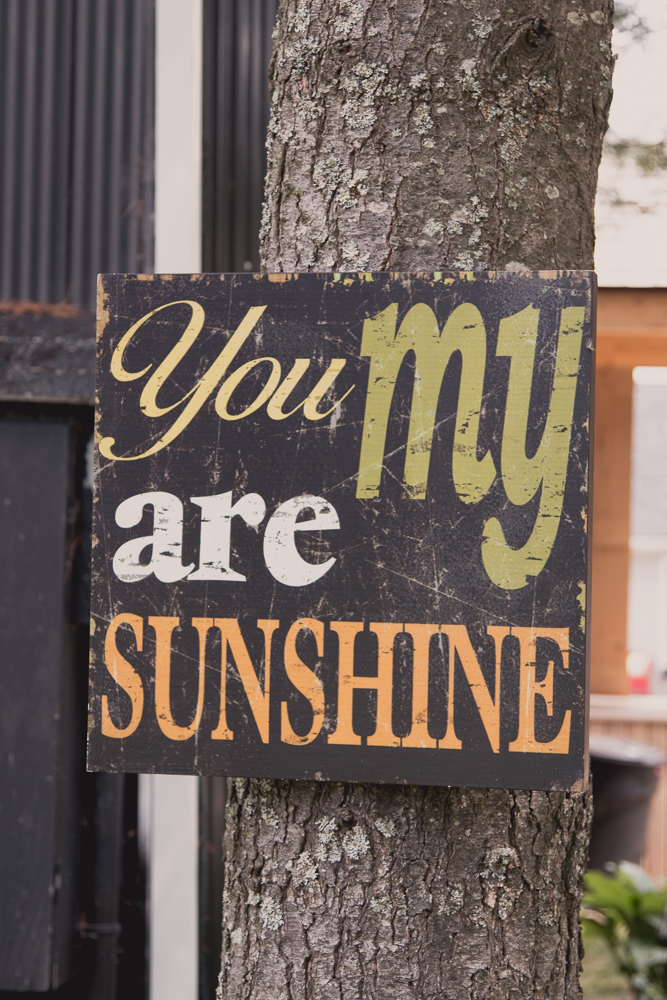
x: 611, y: 529
x: 632, y: 330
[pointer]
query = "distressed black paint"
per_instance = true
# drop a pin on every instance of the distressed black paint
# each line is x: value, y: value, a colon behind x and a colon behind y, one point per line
x: 399, y: 559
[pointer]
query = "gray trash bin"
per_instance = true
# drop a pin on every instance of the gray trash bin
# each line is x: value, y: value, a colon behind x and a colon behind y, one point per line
x: 625, y: 775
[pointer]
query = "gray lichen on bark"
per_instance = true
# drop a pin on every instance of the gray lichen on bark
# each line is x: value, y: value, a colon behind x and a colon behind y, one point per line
x: 340, y: 891
x: 420, y: 135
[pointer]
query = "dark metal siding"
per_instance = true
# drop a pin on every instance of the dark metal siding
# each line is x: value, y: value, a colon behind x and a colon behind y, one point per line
x: 237, y: 52
x: 76, y: 128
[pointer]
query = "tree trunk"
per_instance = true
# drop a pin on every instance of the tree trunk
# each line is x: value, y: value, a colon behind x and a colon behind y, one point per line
x: 420, y: 135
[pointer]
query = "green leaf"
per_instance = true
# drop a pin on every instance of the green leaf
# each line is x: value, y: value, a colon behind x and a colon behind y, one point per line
x: 651, y: 903
x: 638, y: 878
x: 593, y: 928
x: 646, y: 955
x: 629, y: 911
x: 644, y: 990
x: 604, y: 892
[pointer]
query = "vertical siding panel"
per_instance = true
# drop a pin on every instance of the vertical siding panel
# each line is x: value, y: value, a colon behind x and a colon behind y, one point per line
x: 26, y: 147
x: 133, y: 209
x: 116, y: 138
x: 53, y: 266
x: 100, y: 188
x: 48, y: 252
x: 46, y: 166
x: 241, y: 133
x: 257, y: 131
x: 145, y: 219
x: 30, y: 87
x: 225, y: 60
x: 236, y: 60
x: 76, y: 124
x: 78, y: 250
x: 4, y: 83
x: 11, y: 89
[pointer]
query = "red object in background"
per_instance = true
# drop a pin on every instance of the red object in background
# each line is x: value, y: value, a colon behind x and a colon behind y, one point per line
x: 639, y: 669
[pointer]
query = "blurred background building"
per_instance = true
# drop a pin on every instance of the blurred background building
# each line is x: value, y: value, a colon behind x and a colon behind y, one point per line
x: 132, y: 136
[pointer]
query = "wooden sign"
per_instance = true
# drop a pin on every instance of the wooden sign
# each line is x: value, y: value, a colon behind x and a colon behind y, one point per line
x: 340, y: 527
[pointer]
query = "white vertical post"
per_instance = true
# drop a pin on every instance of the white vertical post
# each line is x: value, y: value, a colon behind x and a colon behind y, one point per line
x: 169, y: 830
x: 178, y: 135
x: 169, y: 804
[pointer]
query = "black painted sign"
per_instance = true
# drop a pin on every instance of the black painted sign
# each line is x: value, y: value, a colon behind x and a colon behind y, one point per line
x: 340, y: 527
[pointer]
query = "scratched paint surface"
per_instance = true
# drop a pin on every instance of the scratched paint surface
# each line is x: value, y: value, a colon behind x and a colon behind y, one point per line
x: 340, y: 527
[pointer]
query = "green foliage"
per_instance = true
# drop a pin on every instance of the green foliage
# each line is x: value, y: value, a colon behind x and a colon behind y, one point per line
x: 628, y: 910
x: 649, y: 157
x: 600, y: 979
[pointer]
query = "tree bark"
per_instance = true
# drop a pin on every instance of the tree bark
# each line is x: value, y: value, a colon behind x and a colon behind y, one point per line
x: 433, y: 134
x: 420, y: 135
